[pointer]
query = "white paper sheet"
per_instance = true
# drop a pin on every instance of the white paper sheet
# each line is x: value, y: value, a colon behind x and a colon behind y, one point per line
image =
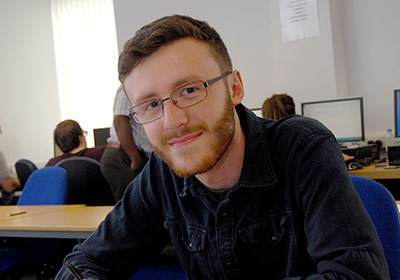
x: 299, y: 19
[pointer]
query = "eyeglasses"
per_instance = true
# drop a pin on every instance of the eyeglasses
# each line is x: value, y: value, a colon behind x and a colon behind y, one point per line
x: 185, y: 96
x: 84, y: 132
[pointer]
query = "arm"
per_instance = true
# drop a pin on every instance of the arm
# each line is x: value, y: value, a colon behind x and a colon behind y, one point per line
x: 131, y: 235
x: 341, y: 237
x: 124, y: 134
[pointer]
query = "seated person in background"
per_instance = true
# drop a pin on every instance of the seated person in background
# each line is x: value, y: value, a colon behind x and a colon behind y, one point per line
x: 71, y: 140
x: 281, y: 105
x: 240, y: 197
x: 7, y: 182
x: 278, y: 106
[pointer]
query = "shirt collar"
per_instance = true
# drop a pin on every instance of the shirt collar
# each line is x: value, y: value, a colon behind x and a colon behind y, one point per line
x: 257, y: 171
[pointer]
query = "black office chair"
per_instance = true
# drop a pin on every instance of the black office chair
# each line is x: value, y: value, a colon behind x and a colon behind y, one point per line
x: 24, y: 168
x: 86, y: 183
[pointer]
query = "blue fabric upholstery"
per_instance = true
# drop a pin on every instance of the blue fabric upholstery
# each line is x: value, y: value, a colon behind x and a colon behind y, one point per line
x: 46, y: 186
x: 383, y: 211
x: 164, y: 268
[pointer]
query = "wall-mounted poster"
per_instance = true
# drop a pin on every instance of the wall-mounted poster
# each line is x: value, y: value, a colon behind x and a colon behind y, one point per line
x: 299, y: 19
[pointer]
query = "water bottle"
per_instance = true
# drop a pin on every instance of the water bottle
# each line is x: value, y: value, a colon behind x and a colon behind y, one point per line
x: 389, y: 137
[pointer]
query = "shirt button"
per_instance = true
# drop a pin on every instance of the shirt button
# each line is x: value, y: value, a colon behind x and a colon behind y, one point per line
x: 223, y: 214
x: 190, y: 245
x: 274, y: 238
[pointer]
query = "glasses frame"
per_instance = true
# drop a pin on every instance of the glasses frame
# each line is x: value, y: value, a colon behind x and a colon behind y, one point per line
x: 206, y: 85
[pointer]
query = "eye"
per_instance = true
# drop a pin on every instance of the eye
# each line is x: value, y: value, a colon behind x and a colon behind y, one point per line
x: 188, y: 91
x: 152, y: 104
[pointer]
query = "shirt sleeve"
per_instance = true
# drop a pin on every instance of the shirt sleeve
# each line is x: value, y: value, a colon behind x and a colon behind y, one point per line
x: 121, y: 103
x: 131, y: 235
x: 341, y: 238
x: 4, y: 172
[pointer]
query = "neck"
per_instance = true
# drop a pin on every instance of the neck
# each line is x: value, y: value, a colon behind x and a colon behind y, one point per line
x: 226, y: 173
x: 77, y: 149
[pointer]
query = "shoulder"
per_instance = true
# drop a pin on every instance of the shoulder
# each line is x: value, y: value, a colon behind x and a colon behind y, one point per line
x: 296, y: 126
x: 53, y: 161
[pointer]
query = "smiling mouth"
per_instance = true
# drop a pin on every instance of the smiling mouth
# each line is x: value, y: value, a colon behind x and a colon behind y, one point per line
x: 186, y: 139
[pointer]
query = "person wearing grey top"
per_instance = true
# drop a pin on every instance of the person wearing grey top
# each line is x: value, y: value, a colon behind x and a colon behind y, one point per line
x: 7, y: 182
x: 127, y: 148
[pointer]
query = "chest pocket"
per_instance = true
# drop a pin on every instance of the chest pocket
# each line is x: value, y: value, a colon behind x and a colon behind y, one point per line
x: 190, y: 245
x: 268, y: 232
x: 263, y: 246
x: 192, y: 238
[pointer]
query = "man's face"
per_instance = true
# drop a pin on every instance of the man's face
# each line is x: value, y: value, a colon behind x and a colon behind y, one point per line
x: 191, y: 140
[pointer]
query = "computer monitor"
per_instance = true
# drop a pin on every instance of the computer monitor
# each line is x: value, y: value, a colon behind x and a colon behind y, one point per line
x: 101, y: 135
x: 257, y: 111
x: 344, y: 117
x: 397, y: 112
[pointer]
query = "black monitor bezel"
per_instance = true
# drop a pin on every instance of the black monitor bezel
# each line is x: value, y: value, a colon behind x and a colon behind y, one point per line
x: 338, y: 100
x: 396, y: 121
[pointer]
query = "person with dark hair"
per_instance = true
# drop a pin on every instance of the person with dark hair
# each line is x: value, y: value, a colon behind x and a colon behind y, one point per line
x: 71, y: 139
x: 278, y: 106
x: 240, y: 197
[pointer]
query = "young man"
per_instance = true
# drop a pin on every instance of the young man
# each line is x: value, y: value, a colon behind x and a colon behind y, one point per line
x: 239, y: 196
x: 71, y: 139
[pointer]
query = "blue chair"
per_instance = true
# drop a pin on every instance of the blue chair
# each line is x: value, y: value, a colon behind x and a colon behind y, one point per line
x: 383, y: 211
x: 24, y: 168
x: 46, y: 186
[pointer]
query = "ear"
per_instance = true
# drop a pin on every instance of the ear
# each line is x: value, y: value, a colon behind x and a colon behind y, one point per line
x: 237, y: 88
x: 82, y: 139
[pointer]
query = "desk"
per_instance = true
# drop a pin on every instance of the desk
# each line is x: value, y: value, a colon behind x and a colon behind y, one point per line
x: 51, y: 221
x: 377, y: 173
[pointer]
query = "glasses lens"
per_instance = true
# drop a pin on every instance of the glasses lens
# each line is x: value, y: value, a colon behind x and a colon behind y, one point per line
x: 189, y: 94
x: 147, y: 111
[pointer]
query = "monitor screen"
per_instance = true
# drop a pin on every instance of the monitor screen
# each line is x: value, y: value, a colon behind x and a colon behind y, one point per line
x: 257, y: 111
x: 397, y: 112
x: 101, y: 135
x: 344, y: 117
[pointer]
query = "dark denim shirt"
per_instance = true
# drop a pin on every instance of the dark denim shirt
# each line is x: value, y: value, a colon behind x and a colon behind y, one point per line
x: 293, y: 214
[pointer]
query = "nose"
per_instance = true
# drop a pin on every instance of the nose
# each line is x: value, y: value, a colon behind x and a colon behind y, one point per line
x: 174, y: 117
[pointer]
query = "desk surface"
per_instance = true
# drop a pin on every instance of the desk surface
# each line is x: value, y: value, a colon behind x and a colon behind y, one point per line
x: 51, y: 221
x: 373, y: 172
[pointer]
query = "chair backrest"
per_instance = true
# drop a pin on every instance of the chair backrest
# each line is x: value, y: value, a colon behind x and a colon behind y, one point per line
x: 86, y: 183
x: 24, y: 168
x: 384, y: 213
x: 45, y: 186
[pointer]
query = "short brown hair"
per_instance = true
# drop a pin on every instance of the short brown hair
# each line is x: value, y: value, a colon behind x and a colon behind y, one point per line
x: 165, y: 30
x: 278, y: 106
x: 66, y: 135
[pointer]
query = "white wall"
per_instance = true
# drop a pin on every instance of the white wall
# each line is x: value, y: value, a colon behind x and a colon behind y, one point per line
x: 372, y: 44
x: 29, y: 108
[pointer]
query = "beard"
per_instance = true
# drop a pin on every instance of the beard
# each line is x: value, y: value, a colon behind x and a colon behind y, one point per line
x: 193, y: 161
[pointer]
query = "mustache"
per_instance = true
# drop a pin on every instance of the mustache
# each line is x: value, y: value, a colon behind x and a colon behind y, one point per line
x: 182, y: 132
